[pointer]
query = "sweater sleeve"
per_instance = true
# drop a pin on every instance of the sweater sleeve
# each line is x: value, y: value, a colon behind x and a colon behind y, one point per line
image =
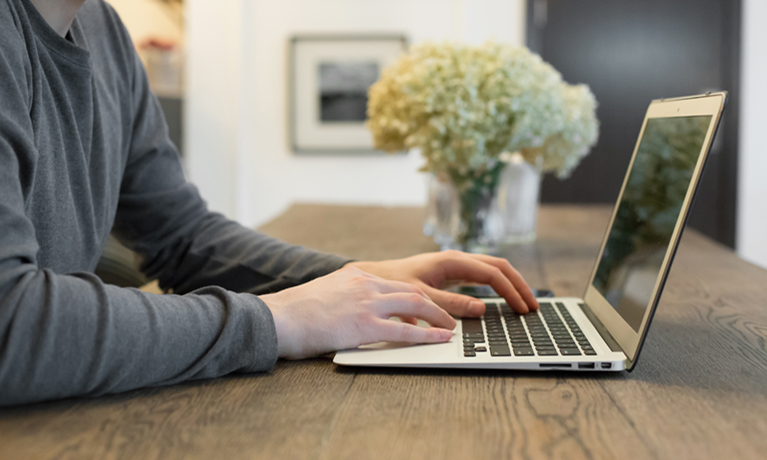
x: 65, y: 335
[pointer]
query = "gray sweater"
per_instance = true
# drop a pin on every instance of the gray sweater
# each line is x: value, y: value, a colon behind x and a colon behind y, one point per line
x: 84, y: 148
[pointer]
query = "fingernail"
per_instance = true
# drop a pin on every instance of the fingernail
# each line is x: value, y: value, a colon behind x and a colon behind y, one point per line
x: 446, y: 335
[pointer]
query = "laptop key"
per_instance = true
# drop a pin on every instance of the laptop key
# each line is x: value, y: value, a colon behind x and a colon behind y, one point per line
x: 500, y: 351
x: 469, y: 354
x: 547, y: 352
x: 570, y: 351
x: 542, y: 349
x: 590, y: 352
x: 524, y: 352
x: 471, y: 326
x: 480, y: 349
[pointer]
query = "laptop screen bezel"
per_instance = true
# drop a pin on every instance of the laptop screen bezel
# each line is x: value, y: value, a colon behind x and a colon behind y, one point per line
x: 630, y: 340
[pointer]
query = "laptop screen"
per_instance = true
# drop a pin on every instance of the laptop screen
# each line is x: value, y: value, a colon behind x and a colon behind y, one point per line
x: 648, y: 212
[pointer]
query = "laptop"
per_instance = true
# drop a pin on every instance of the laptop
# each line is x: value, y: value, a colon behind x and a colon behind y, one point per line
x: 605, y: 330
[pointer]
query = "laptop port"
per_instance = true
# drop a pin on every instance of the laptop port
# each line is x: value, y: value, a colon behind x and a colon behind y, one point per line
x: 607, y: 365
x: 555, y: 365
x: 586, y: 365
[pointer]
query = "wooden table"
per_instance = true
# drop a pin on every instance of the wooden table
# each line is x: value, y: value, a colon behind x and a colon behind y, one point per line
x: 699, y: 389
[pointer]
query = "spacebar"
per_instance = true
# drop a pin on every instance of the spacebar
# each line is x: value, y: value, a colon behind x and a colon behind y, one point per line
x: 472, y: 326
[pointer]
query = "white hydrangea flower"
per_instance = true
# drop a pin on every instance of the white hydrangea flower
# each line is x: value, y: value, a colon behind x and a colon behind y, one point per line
x: 463, y: 106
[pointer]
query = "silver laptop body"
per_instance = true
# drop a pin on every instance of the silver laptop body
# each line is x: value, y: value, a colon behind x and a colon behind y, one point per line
x: 605, y: 330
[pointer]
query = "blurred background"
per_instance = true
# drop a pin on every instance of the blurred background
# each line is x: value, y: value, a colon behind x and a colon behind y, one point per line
x: 221, y: 70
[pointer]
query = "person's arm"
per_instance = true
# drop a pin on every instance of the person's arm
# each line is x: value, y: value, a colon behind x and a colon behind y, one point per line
x: 69, y: 334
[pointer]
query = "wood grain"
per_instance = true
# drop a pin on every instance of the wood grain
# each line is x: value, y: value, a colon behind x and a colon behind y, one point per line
x: 699, y: 390
x: 283, y: 414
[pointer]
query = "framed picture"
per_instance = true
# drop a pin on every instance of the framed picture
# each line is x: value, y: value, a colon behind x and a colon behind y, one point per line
x: 329, y: 80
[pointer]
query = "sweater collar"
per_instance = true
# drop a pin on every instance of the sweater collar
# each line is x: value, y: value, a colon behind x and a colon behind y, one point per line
x: 72, y: 47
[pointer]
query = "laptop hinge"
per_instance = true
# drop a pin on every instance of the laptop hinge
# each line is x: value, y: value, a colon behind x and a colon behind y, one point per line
x: 609, y: 340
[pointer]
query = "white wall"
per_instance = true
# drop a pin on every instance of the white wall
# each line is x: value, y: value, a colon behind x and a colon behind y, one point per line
x: 236, y: 136
x: 752, y: 186
x: 212, y: 117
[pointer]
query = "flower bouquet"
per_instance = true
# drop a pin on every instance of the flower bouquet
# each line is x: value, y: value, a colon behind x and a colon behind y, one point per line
x: 467, y: 107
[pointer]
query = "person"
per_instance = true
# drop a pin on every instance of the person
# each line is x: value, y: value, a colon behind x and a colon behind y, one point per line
x: 84, y: 150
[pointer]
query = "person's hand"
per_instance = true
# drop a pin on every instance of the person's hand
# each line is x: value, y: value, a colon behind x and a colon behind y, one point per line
x: 348, y: 308
x: 433, y: 272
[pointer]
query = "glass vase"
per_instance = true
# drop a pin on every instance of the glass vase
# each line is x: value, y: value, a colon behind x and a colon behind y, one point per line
x: 518, y: 198
x: 442, y: 213
x: 481, y: 218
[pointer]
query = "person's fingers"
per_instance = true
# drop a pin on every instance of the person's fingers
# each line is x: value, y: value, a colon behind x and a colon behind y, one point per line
x: 456, y: 304
x: 470, y: 269
x: 414, y: 304
x: 512, y: 274
x: 408, y: 319
x: 392, y: 331
x: 393, y: 287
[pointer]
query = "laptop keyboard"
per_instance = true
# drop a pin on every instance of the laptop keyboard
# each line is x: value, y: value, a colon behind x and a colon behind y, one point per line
x: 550, y: 331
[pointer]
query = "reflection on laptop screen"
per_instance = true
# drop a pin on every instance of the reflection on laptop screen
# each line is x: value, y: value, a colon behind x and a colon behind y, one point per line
x: 648, y: 213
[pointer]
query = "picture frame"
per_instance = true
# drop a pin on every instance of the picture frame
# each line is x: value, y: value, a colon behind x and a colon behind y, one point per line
x: 329, y: 76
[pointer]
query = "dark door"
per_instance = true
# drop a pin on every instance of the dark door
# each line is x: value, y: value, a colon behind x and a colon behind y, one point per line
x: 631, y: 52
